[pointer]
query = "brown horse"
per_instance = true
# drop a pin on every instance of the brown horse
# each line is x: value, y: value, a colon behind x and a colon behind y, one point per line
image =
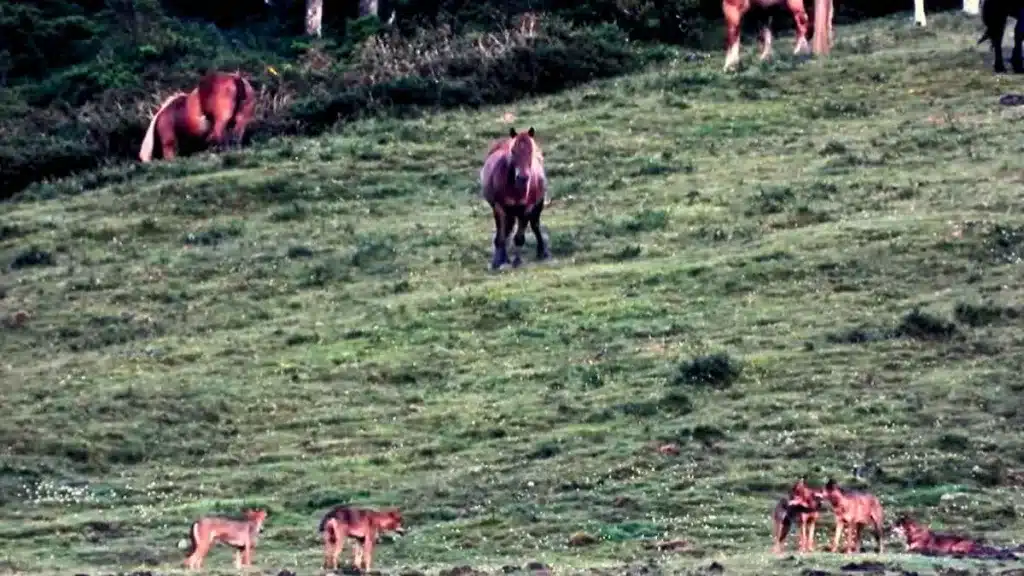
x: 204, y: 113
x: 515, y: 186
x: 734, y: 11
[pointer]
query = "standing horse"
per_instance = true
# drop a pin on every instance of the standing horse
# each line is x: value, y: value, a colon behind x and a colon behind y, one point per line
x: 993, y: 15
x: 734, y: 11
x: 204, y: 113
x: 515, y: 186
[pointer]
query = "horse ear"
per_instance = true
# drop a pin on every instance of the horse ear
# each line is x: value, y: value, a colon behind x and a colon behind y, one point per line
x: 531, y: 132
x: 511, y: 132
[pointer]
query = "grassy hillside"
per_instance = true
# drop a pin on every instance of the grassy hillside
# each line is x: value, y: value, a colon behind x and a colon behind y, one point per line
x: 800, y: 269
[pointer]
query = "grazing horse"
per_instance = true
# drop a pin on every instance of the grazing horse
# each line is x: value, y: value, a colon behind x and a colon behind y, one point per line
x: 204, y: 113
x: 993, y: 15
x: 734, y: 11
x: 514, y: 185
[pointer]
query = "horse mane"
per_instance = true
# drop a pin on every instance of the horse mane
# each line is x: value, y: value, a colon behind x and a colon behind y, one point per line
x: 537, y: 156
x: 499, y: 144
x: 146, y: 151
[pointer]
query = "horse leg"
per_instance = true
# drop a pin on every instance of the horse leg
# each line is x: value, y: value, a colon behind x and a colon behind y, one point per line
x: 167, y: 147
x: 236, y: 134
x: 502, y: 227
x: 1016, y: 59
x: 519, y: 239
x: 244, y: 115
x: 542, y: 246
x: 766, y: 40
x: 216, y: 135
x: 357, y: 555
x: 733, y: 16
x: 919, y: 17
x: 995, y: 34
x: 796, y: 7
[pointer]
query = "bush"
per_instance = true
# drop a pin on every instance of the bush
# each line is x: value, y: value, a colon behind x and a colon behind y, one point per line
x: 441, y: 71
x: 714, y: 371
x: 984, y: 314
x: 391, y: 76
x: 924, y: 326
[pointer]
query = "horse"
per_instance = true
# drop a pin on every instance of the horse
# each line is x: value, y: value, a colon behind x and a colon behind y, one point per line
x: 734, y: 11
x: 993, y: 15
x: 204, y: 113
x: 514, y: 185
x: 969, y: 7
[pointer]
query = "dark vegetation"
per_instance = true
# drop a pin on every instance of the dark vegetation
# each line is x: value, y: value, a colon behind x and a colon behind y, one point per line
x: 80, y: 79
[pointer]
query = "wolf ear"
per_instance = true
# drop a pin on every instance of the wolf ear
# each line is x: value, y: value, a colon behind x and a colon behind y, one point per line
x: 511, y: 132
x: 531, y: 132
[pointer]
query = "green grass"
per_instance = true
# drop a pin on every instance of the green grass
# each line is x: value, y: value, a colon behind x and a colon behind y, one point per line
x: 312, y: 322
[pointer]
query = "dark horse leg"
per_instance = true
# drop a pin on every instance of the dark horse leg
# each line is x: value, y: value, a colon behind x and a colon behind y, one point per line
x: 995, y: 35
x: 519, y: 239
x: 502, y: 227
x: 1016, y: 59
x: 542, y: 246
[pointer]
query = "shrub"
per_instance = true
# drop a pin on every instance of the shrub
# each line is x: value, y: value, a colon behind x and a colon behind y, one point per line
x: 714, y: 371
x: 983, y: 314
x: 32, y: 257
x: 925, y: 326
x: 97, y: 112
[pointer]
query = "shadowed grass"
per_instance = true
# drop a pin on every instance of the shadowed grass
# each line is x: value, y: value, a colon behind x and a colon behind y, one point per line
x: 798, y: 269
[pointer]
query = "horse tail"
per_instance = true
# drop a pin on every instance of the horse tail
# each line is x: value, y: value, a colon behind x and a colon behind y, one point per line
x: 241, y: 94
x: 146, y: 151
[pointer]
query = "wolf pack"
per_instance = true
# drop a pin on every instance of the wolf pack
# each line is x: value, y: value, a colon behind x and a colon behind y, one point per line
x: 341, y: 523
x: 854, y: 510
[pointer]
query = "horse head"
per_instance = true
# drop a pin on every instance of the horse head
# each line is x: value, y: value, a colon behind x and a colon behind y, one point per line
x: 522, y: 153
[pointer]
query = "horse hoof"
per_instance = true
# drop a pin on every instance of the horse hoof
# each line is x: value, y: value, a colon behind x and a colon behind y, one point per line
x: 517, y: 262
x: 543, y: 255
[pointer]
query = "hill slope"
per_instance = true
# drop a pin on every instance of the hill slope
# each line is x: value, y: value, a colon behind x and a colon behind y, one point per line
x: 738, y: 264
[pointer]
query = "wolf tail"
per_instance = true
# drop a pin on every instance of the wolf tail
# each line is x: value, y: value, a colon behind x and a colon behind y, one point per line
x: 193, y: 538
x: 323, y: 529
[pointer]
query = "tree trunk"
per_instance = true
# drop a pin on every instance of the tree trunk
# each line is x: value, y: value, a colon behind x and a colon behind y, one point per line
x: 368, y: 8
x: 314, y: 16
